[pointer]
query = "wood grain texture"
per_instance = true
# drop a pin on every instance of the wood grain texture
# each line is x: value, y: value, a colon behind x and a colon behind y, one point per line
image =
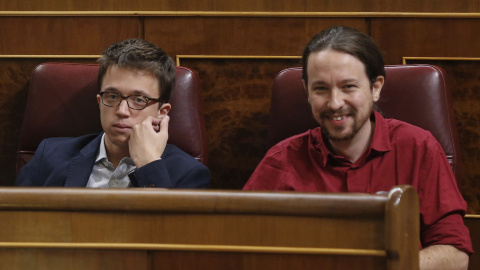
x: 238, y: 36
x: 64, y: 35
x: 236, y: 102
x: 399, y: 38
x: 248, y: 5
x: 473, y: 224
x: 47, y: 259
x: 42, y: 225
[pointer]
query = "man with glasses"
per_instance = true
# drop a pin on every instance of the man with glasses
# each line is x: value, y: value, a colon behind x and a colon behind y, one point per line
x: 135, y: 81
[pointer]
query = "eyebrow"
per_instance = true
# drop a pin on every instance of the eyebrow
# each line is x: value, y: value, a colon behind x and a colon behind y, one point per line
x: 135, y: 92
x: 343, y: 81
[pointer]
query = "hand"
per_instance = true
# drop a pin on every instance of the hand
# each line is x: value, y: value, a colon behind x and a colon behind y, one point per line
x: 148, y: 140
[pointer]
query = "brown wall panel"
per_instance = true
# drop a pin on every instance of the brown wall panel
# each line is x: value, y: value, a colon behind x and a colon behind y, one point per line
x: 401, y: 37
x: 249, y: 5
x: 64, y: 35
x: 423, y: 6
x: 236, y: 101
x: 238, y: 36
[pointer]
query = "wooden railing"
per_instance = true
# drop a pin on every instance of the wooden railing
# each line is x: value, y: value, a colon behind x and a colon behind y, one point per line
x: 58, y: 228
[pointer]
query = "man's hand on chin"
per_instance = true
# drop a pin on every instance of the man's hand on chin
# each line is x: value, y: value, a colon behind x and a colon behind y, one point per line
x: 148, y: 140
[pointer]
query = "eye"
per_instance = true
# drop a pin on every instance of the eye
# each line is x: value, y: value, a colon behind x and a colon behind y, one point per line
x: 141, y: 100
x: 111, y: 96
x: 349, y: 86
x: 319, y: 88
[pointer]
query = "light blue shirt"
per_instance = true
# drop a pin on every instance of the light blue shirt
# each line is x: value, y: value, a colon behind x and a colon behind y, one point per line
x: 104, y: 175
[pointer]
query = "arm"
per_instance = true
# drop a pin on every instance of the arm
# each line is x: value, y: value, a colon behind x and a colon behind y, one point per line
x: 443, y: 257
x: 176, y: 170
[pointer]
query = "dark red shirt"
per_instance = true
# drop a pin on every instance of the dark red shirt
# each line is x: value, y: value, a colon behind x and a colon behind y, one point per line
x: 400, y: 154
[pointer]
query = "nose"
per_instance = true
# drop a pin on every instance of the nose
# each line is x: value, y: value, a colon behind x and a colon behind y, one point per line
x: 336, y: 100
x: 122, y: 109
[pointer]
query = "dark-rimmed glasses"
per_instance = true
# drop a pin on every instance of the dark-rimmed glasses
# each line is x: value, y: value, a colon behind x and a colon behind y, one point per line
x: 135, y: 102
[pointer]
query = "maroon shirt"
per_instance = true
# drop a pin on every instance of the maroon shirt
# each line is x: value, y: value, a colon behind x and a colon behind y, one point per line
x: 400, y: 154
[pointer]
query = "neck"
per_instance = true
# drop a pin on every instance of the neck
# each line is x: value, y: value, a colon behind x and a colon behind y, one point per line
x: 115, y: 153
x: 354, y: 148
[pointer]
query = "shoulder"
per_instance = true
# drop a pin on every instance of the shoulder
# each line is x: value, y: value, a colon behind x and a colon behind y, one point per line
x: 405, y: 134
x: 70, y: 142
x: 295, y: 144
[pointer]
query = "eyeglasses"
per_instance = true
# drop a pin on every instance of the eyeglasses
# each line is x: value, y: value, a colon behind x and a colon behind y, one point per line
x: 135, y: 102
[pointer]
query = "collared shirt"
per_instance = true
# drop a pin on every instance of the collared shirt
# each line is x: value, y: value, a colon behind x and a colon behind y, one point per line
x: 400, y: 154
x: 104, y: 175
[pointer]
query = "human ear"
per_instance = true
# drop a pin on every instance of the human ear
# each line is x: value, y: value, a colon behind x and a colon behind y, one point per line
x: 164, y: 109
x: 377, y: 88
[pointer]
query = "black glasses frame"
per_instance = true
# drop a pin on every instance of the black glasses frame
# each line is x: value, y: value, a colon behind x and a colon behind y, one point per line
x: 126, y: 99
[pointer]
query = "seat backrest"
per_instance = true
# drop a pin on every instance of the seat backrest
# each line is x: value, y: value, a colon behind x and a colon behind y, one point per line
x: 417, y: 94
x: 62, y: 103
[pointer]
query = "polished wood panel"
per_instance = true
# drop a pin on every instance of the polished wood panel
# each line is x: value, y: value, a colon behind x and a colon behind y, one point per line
x: 260, y: 229
x: 236, y: 101
x: 238, y: 36
x: 48, y: 259
x: 64, y: 35
x: 473, y: 224
x: 249, y: 5
x: 192, y: 260
x: 400, y: 38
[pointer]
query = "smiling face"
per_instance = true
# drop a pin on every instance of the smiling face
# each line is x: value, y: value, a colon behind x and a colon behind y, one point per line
x: 117, y: 122
x: 340, y: 95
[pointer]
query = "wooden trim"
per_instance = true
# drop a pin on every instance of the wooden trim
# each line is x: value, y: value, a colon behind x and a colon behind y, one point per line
x: 401, y: 237
x: 200, y: 201
x: 48, y: 56
x: 233, y: 57
x: 471, y: 216
x: 242, y: 14
x: 405, y: 59
x: 202, y: 248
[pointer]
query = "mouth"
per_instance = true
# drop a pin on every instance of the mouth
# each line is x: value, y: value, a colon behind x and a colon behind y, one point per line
x: 338, y: 117
x: 122, y: 127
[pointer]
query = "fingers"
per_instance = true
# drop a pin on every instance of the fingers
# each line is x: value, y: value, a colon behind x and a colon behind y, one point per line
x: 157, y: 123
x: 164, y: 123
x: 148, y: 140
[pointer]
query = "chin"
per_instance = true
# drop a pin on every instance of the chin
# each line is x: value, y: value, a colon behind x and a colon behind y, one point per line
x: 120, y: 141
x: 337, y: 136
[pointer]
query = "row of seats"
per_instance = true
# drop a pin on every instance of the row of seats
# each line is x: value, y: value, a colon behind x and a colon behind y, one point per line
x: 61, y: 103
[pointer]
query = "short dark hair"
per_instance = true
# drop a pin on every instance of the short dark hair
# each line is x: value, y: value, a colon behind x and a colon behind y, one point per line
x: 141, y: 55
x: 351, y: 41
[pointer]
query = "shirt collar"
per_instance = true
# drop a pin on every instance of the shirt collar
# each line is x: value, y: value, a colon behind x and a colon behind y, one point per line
x: 381, y: 136
x: 380, y: 141
x: 102, y: 154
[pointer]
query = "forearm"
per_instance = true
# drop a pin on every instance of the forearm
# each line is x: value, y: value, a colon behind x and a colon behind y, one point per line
x: 443, y: 257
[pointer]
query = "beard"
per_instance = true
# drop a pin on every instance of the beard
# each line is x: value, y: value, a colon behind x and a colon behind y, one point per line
x: 335, y: 133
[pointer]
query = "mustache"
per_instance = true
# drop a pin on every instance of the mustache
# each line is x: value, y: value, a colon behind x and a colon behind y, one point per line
x: 330, y: 113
